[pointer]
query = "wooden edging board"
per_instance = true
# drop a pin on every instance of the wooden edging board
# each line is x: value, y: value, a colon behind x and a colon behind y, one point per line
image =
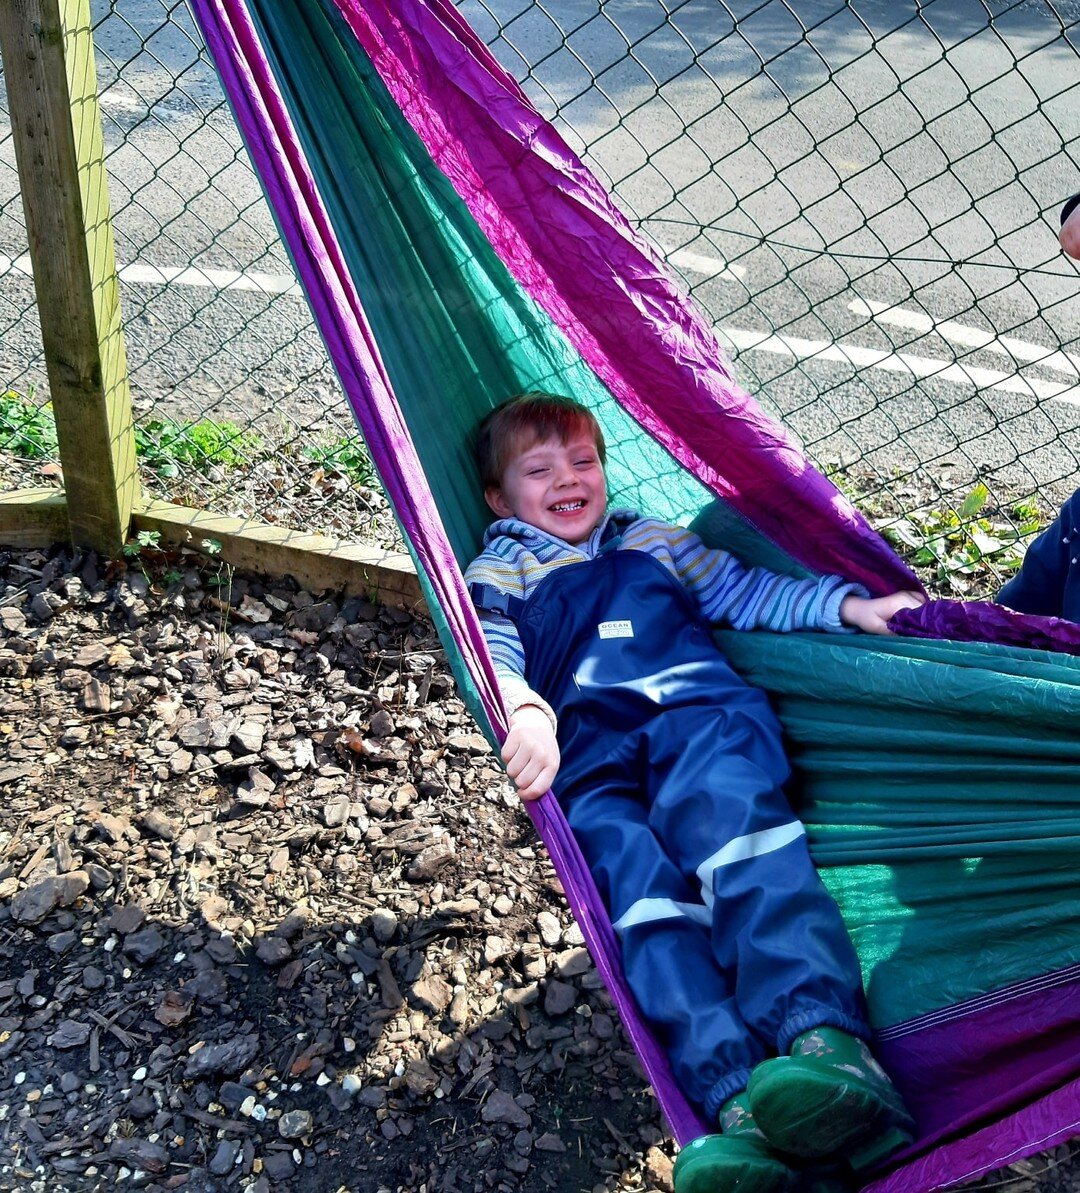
x: 38, y: 518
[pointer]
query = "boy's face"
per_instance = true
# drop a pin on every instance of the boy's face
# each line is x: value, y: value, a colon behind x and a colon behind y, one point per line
x: 557, y: 487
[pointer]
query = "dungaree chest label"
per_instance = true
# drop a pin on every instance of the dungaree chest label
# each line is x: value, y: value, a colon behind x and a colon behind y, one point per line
x: 616, y: 629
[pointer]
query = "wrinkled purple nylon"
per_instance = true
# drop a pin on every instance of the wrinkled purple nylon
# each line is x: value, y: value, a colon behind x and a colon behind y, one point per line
x: 966, y: 1064
x: 843, y: 542
x: 1044, y: 1124
x: 981, y: 621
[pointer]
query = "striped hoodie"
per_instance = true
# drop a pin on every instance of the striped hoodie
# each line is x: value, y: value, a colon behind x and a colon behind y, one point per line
x: 517, y: 556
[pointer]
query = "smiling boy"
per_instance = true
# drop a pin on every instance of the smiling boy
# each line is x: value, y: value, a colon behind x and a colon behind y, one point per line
x: 670, y: 769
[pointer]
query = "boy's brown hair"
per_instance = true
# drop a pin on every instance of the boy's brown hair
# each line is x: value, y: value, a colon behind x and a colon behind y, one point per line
x: 532, y: 417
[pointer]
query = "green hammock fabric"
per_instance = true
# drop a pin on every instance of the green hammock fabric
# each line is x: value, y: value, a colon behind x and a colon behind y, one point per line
x: 456, y: 332
x: 941, y: 804
x: 938, y: 782
x: 932, y: 787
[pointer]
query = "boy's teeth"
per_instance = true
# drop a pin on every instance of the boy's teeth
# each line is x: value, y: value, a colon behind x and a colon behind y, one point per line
x: 568, y: 505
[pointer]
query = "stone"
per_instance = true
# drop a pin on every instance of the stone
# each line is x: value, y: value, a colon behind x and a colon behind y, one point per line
x: 501, y: 1108
x: 279, y: 1166
x: 96, y: 697
x: 559, y: 997
x: 381, y: 724
x: 273, y: 950
x: 432, y: 994
x: 495, y: 948
x: 224, y: 1158
x: 658, y: 1170
x: 128, y: 917
x: 249, y: 736
x: 428, y: 860
x: 384, y: 923
x: 550, y: 928
x: 336, y: 811
x: 70, y: 1034
x: 157, y: 824
x: 295, y: 1124
x: 571, y: 963
x: 32, y: 905
x: 227, y: 1059
x: 197, y: 734
x: 174, y: 1008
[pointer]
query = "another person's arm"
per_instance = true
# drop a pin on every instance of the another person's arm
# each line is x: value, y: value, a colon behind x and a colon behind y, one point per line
x: 1039, y: 586
x: 1070, y: 227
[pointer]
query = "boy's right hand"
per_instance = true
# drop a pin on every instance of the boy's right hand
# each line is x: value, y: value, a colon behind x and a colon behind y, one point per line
x: 531, y: 752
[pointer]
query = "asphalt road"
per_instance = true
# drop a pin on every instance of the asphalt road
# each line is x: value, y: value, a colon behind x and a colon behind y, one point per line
x: 859, y: 195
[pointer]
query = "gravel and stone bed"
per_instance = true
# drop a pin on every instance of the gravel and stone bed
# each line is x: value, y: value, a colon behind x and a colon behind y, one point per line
x: 272, y: 919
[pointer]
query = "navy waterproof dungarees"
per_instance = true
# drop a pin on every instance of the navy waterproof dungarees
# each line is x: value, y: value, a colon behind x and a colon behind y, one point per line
x: 671, y: 779
x: 1048, y: 582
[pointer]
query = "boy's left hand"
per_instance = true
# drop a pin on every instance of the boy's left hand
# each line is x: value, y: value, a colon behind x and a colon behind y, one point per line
x: 872, y: 614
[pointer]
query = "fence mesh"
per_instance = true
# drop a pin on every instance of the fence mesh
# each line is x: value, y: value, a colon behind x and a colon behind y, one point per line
x: 864, y: 197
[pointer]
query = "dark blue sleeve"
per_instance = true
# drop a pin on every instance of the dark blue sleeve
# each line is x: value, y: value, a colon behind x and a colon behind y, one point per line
x: 1042, y: 584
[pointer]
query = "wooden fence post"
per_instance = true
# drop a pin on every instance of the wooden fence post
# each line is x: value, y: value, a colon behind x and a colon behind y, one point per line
x: 48, y: 55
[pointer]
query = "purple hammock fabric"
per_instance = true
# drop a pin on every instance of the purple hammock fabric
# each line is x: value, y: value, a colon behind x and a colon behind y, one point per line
x: 569, y: 246
x: 549, y: 219
x: 981, y: 621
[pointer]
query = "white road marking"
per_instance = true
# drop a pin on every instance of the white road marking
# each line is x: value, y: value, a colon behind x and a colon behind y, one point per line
x: 739, y: 339
x: 222, y: 279
x: 970, y: 337
x: 18, y: 265
x: 711, y: 267
x: 183, y: 275
x: 898, y: 362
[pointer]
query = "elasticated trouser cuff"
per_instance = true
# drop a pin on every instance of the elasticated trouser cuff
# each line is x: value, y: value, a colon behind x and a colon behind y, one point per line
x: 736, y: 1081
x: 821, y: 1017
x: 727, y: 1087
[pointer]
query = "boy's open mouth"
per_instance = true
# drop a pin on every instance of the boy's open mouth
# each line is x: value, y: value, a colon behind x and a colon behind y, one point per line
x: 567, y: 507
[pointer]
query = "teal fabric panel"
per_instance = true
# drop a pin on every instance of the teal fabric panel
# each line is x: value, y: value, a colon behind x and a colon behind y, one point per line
x: 940, y: 785
x: 456, y: 332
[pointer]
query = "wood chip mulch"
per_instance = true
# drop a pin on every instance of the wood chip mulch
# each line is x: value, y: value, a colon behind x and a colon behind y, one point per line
x: 270, y: 916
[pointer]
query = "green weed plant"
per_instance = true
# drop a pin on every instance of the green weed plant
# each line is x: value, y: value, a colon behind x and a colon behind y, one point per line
x: 348, y: 456
x: 166, y: 447
x: 960, y: 544
x: 27, y: 430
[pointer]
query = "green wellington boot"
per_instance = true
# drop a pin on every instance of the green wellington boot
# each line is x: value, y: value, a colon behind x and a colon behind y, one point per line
x: 732, y: 1164
x: 736, y: 1161
x: 830, y: 1097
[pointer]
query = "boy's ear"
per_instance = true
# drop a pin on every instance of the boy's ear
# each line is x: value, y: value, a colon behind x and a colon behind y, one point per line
x: 493, y: 495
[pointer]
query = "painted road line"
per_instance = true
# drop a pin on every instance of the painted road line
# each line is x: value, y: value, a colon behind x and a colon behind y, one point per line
x: 221, y: 279
x: 898, y: 362
x: 970, y: 337
x: 15, y: 265
x: 711, y: 267
x: 182, y: 275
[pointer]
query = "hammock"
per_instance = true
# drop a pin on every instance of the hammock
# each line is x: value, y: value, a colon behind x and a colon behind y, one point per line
x: 455, y: 251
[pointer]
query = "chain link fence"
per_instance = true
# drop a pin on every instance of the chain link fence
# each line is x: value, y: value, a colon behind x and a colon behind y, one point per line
x: 863, y: 196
